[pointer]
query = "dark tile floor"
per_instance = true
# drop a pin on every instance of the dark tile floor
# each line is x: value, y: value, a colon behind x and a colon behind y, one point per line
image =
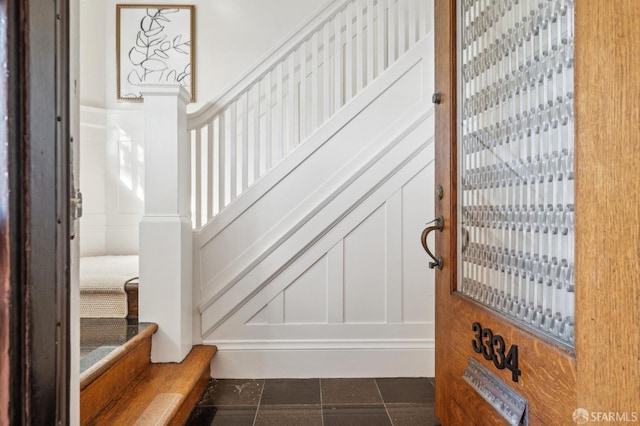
x: 317, y: 402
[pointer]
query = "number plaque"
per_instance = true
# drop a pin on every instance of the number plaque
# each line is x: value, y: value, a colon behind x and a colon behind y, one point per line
x: 493, y: 348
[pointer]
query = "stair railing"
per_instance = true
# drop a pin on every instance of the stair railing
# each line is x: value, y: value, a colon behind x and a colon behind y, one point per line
x: 277, y: 105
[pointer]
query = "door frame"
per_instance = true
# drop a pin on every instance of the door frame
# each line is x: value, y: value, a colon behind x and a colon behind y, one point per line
x: 34, y: 220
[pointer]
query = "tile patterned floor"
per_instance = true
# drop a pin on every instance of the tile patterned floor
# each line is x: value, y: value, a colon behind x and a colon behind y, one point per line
x: 317, y: 402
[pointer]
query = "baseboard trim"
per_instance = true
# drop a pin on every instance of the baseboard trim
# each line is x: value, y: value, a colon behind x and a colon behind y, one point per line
x: 388, y: 358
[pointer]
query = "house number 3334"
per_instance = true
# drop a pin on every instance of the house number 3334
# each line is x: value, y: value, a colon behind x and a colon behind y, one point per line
x: 493, y: 348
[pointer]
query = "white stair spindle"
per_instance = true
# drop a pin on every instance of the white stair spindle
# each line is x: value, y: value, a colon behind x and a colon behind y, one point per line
x: 412, y: 22
x: 279, y: 136
x: 303, y: 91
x: 381, y: 45
x: 359, y: 45
x: 337, y: 64
x: 291, y: 104
x: 402, y: 26
x: 268, y: 120
x: 326, y: 92
x: 198, y: 173
x: 370, y: 42
x: 392, y: 38
x: 314, y: 81
x: 245, y: 140
x: 256, y: 131
x: 222, y: 172
x: 348, y: 54
x: 210, y: 180
x: 233, y: 150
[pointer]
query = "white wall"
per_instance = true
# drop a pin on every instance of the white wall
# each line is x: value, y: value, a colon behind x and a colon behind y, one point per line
x: 231, y: 36
x: 93, y: 53
x: 111, y: 175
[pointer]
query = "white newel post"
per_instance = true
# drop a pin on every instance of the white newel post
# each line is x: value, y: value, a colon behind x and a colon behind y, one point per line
x: 165, y: 229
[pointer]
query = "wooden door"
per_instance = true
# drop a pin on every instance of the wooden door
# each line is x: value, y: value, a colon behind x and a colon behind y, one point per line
x: 596, y: 376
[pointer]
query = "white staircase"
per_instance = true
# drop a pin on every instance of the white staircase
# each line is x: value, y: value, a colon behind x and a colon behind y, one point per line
x: 300, y: 86
x: 311, y: 180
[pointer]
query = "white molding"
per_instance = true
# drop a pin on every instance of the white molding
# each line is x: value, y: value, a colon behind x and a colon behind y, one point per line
x: 319, y: 362
x: 236, y: 329
x: 319, y: 344
x: 156, y: 89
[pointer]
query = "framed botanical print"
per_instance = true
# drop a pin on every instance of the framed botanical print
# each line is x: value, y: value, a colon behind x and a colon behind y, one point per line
x: 154, y: 44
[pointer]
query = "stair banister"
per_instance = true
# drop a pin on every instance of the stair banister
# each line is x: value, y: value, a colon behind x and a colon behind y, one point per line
x: 266, y: 63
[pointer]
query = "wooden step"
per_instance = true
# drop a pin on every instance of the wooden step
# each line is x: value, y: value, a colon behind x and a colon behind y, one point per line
x: 105, y: 381
x: 131, y: 288
x: 163, y: 394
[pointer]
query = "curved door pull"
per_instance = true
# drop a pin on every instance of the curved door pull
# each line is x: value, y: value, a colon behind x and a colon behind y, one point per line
x: 439, y: 225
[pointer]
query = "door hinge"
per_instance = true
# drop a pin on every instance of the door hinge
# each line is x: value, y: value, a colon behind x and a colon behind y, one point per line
x: 76, y: 205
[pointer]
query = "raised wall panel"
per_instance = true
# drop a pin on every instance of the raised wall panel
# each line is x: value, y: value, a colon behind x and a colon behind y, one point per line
x: 124, y: 180
x: 335, y: 283
x: 418, y: 286
x: 130, y: 177
x: 111, y: 180
x: 93, y: 137
x: 393, y: 257
x: 364, y: 271
x: 305, y: 300
x: 261, y: 317
x: 275, y: 309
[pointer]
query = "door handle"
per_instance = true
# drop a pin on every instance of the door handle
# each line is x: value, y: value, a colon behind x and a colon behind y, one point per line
x: 439, y: 225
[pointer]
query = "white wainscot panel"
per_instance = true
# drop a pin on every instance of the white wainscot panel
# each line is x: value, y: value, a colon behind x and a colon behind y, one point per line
x: 92, y: 145
x: 111, y: 179
x: 364, y: 271
x: 260, y: 318
x: 125, y: 180
x: 130, y: 176
x: 418, y: 290
x: 305, y: 300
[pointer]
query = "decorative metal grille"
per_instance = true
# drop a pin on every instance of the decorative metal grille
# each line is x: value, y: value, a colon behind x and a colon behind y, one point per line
x: 516, y: 160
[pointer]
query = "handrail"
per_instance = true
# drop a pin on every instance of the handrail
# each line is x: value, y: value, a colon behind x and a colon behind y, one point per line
x: 266, y: 63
